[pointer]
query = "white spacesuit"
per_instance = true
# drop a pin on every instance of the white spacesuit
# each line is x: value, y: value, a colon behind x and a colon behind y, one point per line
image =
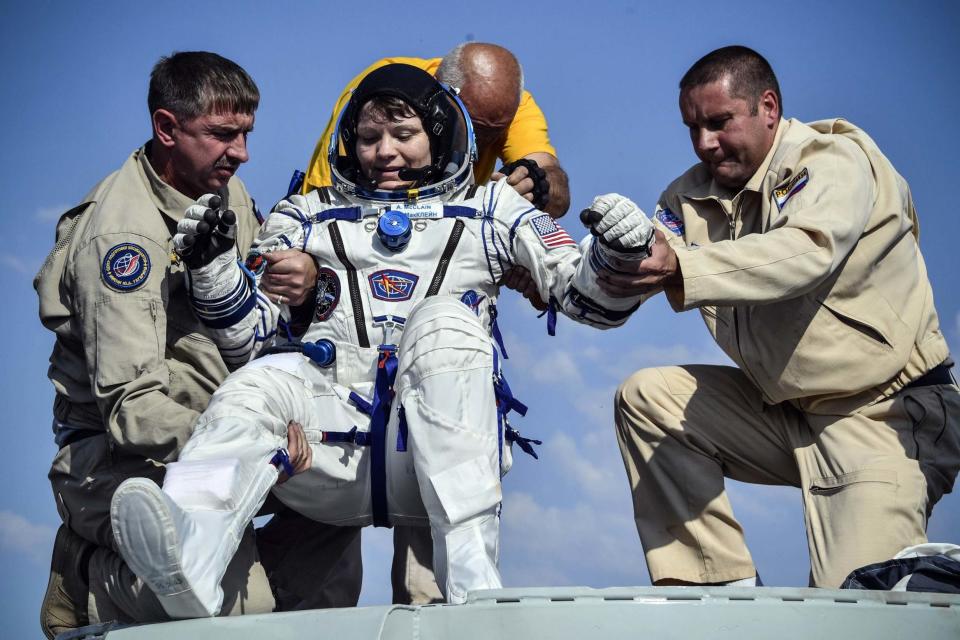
x: 396, y: 380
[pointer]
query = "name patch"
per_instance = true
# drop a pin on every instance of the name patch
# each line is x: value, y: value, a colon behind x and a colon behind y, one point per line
x: 125, y: 267
x: 419, y: 211
x: 787, y: 191
x: 392, y: 285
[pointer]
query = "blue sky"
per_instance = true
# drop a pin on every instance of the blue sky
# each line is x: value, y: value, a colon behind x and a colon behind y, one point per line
x: 74, y: 106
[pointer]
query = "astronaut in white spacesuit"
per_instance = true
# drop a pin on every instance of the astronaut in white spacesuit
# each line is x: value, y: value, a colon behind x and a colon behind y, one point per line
x: 396, y: 380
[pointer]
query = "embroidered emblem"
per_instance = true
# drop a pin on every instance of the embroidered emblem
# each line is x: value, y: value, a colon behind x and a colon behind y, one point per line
x: 255, y: 262
x: 392, y: 285
x: 472, y: 299
x: 784, y: 193
x: 125, y: 267
x: 671, y: 221
x: 550, y: 233
x: 328, y: 293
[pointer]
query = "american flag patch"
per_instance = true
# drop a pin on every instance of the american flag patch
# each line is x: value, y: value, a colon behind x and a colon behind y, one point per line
x: 550, y: 233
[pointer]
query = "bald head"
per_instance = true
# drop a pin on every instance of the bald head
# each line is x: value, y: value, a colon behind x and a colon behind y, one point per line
x: 490, y: 81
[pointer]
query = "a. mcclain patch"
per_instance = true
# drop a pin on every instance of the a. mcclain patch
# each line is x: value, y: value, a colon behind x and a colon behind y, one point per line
x: 328, y: 293
x: 125, y: 267
x: 788, y: 190
x: 392, y: 285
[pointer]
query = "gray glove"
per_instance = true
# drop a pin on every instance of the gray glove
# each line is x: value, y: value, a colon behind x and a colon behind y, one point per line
x: 623, y: 230
x: 208, y: 229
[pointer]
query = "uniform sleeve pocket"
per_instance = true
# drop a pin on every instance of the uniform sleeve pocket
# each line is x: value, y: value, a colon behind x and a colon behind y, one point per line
x: 127, y: 338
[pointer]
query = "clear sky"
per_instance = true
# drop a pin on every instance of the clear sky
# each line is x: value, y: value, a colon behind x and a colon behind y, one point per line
x: 605, y: 73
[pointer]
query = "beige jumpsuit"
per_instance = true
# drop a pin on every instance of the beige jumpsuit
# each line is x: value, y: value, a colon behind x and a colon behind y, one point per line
x: 132, y: 368
x: 811, y: 280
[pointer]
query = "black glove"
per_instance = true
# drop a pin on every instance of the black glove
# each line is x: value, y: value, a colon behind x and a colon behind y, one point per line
x: 208, y: 229
x: 541, y: 186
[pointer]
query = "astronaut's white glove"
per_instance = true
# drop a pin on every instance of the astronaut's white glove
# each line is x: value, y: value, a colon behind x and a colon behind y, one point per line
x: 208, y: 229
x: 623, y: 230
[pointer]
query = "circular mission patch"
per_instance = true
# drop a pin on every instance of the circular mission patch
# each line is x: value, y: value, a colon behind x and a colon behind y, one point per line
x: 125, y: 267
x: 328, y: 293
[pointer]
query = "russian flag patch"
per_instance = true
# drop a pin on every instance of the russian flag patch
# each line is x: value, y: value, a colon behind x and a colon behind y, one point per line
x: 670, y: 221
x: 783, y: 193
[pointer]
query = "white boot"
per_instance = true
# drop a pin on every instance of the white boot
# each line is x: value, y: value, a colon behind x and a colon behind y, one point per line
x: 179, y: 540
x: 465, y: 556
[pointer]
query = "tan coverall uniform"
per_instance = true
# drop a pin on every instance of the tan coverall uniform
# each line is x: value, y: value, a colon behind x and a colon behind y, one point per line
x: 132, y: 368
x: 811, y: 280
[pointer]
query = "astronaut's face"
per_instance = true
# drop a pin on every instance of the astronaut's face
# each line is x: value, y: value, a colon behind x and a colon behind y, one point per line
x: 387, y: 144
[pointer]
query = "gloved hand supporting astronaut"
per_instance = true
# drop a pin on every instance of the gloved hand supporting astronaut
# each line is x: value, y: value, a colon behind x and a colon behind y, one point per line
x: 208, y: 229
x: 623, y: 230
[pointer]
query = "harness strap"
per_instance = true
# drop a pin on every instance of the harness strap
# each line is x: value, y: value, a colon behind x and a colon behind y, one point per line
x: 354, y: 436
x: 505, y: 400
x: 402, y: 431
x: 281, y: 460
x: 296, y: 183
x: 353, y: 283
x: 361, y: 404
x: 551, y: 313
x: 495, y: 330
x: 456, y: 211
x: 505, y: 404
x: 352, y: 214
x: 380, y: 415
x: 524, y: 443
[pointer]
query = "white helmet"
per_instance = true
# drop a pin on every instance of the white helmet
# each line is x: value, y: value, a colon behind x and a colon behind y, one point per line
x: 445, y: 120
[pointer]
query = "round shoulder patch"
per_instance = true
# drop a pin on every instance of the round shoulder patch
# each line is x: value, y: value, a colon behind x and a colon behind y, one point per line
x: 255, y: 262
x: 328, y: 293
x: 125, y: 267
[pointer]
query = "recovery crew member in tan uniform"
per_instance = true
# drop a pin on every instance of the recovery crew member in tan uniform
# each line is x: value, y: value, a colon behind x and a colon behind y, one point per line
x: 798, y: 244
x: 131, y: 365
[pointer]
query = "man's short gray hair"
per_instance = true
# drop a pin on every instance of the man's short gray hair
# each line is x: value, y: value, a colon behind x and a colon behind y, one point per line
x: 451, y: 73
x: 194, y: 83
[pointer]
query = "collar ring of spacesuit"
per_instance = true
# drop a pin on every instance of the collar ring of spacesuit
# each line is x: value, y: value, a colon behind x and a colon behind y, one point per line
x: 444, y: 119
